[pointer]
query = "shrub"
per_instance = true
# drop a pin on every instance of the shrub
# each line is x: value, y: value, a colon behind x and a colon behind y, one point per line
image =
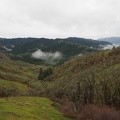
x: 92, y: 112
x: 69, y: 109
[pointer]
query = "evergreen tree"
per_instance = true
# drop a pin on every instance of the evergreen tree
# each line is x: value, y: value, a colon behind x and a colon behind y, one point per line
x: 44, y: 73
x: 41, y: 77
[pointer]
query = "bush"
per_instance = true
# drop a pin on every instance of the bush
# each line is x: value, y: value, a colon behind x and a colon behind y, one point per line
x: 69, y: 109
x: 92, y: 112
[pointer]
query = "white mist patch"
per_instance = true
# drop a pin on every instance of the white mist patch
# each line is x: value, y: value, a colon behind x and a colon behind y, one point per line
x: 80, y: 54
x: 108, y: 47
x: 49, y: 57
x: 7, y: 49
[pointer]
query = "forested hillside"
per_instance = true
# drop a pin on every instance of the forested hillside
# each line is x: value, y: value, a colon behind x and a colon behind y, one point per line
x: 23, y: 48
x: 91, y: 78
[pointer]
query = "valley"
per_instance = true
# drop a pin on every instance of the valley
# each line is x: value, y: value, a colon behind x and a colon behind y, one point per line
x: 65, y: 91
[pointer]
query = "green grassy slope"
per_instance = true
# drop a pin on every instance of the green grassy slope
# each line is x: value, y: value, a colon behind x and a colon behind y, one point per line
x: 17, y: 71
x: 16, y: 77
x: 29, y: 108
x: 10, y: 88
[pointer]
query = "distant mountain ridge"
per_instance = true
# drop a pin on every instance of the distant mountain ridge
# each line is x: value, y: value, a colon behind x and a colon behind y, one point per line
x: 22, y: 48
x: 113, y: 40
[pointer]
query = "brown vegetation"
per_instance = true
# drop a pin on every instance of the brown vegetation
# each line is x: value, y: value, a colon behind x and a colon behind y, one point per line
x: 92, y: 112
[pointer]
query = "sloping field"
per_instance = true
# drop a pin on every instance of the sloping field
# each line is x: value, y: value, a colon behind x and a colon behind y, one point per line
x: 10, y: 88
x: 29, y: 108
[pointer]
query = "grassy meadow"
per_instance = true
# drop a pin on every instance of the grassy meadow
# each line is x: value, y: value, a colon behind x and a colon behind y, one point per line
x: 29, y: 108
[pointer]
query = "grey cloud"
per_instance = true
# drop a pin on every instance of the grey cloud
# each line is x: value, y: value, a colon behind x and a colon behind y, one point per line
x: 59, y: 18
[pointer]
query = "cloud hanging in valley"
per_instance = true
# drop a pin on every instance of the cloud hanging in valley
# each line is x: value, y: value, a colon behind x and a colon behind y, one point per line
x: 49, y: 57
x: 108, y: 47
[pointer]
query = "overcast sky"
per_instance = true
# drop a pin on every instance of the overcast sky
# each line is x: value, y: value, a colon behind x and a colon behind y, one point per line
x: 60, y: 18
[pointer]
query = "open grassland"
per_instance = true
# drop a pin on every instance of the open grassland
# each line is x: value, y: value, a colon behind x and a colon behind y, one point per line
x: 29, y: 108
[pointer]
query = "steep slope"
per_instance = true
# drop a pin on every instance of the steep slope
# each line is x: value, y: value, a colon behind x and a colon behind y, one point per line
x: 92, y: 78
